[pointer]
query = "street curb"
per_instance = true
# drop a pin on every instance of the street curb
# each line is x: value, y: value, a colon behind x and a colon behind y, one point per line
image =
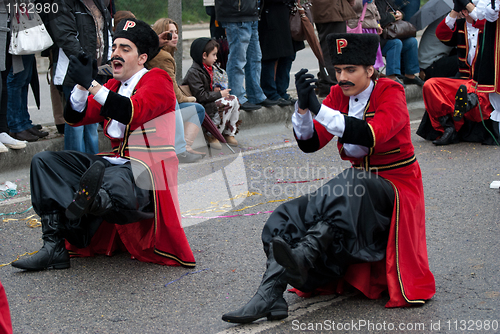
x: 19, y: 159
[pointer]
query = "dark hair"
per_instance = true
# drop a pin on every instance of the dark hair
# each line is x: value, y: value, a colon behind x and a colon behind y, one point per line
x: 210, y: 46
x: 375, y: 74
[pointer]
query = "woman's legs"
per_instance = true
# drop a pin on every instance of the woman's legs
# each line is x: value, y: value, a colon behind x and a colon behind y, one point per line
x: 192, y: 115
x: 392, y: 52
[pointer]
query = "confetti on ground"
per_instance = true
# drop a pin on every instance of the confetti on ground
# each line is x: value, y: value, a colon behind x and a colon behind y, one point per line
x: 283, y: 181
x: 16, y: 213
x: 6, y: 194
x: 216, y: 207
x: 190, y: 273
x: 17, y: 258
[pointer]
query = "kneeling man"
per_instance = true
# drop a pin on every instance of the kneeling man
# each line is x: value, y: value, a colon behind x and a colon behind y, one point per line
x: 367, y: 224
x: 126, y: 198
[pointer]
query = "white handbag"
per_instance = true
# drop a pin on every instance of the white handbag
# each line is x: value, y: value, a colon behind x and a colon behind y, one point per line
x: 29, y: 35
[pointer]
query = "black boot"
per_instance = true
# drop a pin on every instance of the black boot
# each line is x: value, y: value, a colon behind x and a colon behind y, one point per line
x: 102, y: 203
x: 300, y: 259
x: 53, y: 254
x: 90, y: 184
x: 464, y: 102
x: 268, y: 301
x: 449, y: 136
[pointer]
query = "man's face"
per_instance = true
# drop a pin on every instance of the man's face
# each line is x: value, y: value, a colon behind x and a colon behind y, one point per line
x: 353, y: 79
x: 125, y: 59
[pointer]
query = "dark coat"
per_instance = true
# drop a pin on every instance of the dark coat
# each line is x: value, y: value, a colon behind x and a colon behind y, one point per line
x: 199, y: 81
x: 325, y: 11
x: 274, y: 31
x: 73, y: 29
x: 236, y: 10
x: 385, y: 16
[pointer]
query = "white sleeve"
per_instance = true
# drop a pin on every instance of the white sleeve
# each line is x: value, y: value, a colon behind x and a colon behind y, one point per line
x: 78, y: 99
x: 450, y: 21
x: 101, y: 95
x: 332, y: 120
x: 302, y: 124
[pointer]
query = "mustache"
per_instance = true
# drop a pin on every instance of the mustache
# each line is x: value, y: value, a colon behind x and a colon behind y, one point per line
x: 116, y: 58
x: 346, y: 83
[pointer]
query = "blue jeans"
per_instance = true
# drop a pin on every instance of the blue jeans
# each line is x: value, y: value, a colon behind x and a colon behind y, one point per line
x: 244, y: 61
x: 192, y: 112
x: 274, y: 84
x: 180, y: 142
x: 396, y: 51
x: 18, y: 117
x: 80, y: 138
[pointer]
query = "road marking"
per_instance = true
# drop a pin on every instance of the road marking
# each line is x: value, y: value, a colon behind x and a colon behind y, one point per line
x: 15, y: 200
x: 295, y: 311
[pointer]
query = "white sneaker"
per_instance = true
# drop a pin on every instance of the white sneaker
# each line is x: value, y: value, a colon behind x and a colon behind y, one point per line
x: 10, y: 142
x: 3, y: 148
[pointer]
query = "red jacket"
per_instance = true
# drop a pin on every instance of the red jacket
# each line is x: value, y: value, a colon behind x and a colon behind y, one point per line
x: 386, y: 130
x: 5, y: 322
x: 458, y: 37
x: 148, y: 141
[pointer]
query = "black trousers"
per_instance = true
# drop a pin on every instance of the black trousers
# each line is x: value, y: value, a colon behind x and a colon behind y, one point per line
x: 357, y: 204
x: 55, y: 178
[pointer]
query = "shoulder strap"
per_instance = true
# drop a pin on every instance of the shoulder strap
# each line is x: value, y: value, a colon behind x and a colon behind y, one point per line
x: 363, y: 13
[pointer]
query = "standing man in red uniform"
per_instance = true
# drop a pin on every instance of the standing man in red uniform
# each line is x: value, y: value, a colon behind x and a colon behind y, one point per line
x: 125, y: 198
x: 366, y: 225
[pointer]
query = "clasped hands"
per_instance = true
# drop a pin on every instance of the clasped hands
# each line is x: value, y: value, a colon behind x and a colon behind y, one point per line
x: 305, y: 84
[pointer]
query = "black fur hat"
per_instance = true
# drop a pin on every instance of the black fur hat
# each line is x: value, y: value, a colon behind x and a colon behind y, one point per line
x: 139, y: 33
x: 353, y: 49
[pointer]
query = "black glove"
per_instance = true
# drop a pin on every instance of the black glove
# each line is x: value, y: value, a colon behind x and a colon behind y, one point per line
x: 305, y: 84
x: 459, y: 5
x: 81, y: 69
x: 464, y: 3
x: 314, y: 105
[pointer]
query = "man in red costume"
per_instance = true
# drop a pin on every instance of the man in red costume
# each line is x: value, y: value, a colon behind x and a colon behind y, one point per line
x: 452, y: 103
x: 126, y: 198
x: 366, y: 226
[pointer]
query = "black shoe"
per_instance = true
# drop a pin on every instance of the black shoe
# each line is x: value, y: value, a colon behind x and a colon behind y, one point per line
x: 247, y: 106
x: 284, y: 102
x: 187, y: 157
x: 53, y: 254
x: 399, y: 81
x: 268, y: 301
x: 464, y: 102
x: 268, y: 103
x: 38, y: 133
x: 449, y: 136
x: 37, y: 126
x: 90, y: 184
x: 24, y: 135
x: 415, y: 81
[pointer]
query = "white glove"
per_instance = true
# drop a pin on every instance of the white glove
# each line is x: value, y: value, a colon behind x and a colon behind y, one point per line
x: 491, y: 15
x: 474, y: 14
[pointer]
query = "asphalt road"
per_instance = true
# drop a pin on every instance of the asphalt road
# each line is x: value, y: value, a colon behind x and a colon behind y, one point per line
x: 120, y: 295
